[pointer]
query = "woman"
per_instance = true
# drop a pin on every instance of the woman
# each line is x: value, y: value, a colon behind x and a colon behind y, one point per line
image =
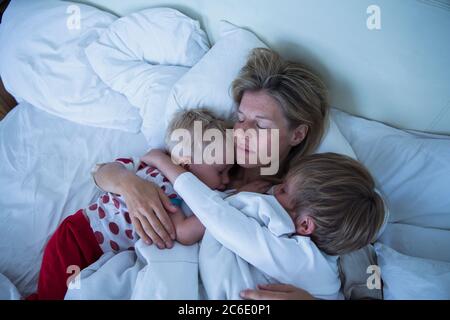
x: 271, y: 93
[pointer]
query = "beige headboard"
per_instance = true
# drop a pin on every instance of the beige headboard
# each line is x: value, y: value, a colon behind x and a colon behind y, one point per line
x: 387, y: 60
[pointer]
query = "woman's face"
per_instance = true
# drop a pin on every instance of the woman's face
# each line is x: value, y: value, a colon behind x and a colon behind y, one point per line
x: 258, y: 111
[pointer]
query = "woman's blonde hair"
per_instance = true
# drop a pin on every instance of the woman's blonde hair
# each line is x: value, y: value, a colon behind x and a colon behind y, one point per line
x: 299, y: 92
x: 339, y: 194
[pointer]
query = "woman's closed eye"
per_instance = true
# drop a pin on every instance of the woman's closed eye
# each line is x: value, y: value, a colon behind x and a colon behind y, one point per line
x: 261, y: 126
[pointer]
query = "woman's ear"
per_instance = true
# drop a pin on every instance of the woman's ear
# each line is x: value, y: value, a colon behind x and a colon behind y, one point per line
x: 304, y: 225
x: 299, y: 134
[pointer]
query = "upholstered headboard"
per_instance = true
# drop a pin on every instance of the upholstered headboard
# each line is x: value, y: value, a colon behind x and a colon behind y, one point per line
x: 381, y: 59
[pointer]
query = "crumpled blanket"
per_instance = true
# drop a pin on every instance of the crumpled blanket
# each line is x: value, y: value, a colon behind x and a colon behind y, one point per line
x: 147, y: 273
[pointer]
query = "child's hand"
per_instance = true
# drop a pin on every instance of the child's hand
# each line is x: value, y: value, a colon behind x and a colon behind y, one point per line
x: 189, y: 230
x: 153, y: 156
x: 258, y: 186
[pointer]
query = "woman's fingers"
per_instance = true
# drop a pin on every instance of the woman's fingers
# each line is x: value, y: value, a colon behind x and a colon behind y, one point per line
x: 164, y: 218
x: 140, y: 231
x: 261, y: 295
x: 166, y: 202
x: 154, y: 226
x: 161, y: 223
x: 144, y: 203
x: 281, y: 291
x: 279, y: 287
x: 149, y: 230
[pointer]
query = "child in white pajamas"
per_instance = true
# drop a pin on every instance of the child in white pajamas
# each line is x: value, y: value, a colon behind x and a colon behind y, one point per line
x: 326, y: 206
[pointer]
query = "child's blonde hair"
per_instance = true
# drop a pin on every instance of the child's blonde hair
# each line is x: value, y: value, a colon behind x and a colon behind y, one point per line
x: 339, y: 194
x: 185, y: 119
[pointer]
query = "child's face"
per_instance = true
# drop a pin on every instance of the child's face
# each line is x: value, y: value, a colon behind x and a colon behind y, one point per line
x: 285, y: 195
x: 215, y: 176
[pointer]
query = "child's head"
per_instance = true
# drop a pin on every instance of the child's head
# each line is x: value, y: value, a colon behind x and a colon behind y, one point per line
x: 332, y: 199
x: 214, y: 175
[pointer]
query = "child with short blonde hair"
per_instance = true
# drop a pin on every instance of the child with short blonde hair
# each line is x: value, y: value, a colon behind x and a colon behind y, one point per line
x: 334, y: 202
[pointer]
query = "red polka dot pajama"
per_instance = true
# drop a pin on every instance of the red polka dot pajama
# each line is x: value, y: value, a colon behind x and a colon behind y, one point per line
x: 80, y: 241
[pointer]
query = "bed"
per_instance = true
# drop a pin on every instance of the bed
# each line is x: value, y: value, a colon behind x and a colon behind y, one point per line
x: 390, y: 89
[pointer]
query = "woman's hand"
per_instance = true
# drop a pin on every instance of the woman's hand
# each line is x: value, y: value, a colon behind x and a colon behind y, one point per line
x: 148, y: 206
x: 276, y: 292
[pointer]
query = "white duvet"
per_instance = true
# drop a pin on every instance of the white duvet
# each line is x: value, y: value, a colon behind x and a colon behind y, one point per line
x: 146, y: 274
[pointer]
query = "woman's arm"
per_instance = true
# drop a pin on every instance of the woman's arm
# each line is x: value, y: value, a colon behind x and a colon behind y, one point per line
x: 146, y: 203
x: 113, y: 177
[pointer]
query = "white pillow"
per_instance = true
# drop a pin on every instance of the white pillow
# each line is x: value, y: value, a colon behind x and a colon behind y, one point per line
x: 409, y: 278
x: 142, y: 56
x: 412, y: 170
x: 334, y: 141
x: 415, y: 241
x: 208, y: 83
x: 44, y: 63
x: 155, y: 36
x: 152, y: 106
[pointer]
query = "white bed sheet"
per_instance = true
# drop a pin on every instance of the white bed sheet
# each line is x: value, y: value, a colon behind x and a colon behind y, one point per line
x: 45, y: 165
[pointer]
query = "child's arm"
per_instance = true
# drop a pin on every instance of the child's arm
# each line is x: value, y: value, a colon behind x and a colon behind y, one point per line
x: 160, y: 160
x: 189, y: 230
x: 244, y: 235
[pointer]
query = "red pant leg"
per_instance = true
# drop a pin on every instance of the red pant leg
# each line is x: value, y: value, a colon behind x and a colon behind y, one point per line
x: 72, y: 244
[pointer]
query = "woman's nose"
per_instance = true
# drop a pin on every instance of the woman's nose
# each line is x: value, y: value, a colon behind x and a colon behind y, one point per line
x: 245, y: 125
